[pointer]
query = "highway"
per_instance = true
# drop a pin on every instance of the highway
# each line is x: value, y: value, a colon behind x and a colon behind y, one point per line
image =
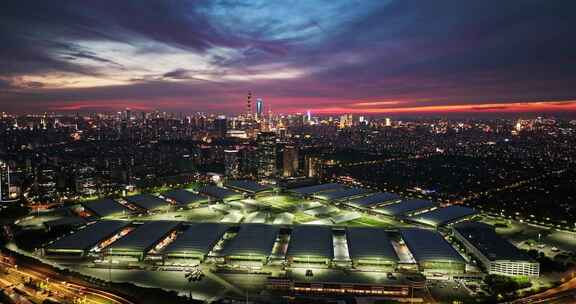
x: 14, y: 277
x: 565, y: 293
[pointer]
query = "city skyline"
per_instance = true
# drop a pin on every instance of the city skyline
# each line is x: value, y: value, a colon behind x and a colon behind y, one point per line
x: 385, y: 57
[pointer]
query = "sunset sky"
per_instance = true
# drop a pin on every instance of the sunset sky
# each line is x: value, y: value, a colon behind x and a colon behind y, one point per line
x: 329, y: 56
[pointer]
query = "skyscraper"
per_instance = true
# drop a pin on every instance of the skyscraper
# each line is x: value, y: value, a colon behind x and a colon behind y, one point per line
x: 231, y: 163
x: 266, y: 151
x: 4, y: 181
x: 346, y: 121
x: 221, y: 126
x: 259, y: 108
x: 311, y: 165
x: 290, y: 161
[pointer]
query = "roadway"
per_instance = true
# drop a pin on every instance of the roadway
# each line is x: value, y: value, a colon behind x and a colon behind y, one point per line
x: 565, y: 293
x: 13, y: 278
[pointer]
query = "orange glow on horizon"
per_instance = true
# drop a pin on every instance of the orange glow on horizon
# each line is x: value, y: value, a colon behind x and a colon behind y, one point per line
x: 539, y: 106
x: 360, y: 107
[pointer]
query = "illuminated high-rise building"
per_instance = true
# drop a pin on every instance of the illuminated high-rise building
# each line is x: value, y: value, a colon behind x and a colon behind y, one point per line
x: 221, y: 126
x: 388, y: 122
x: 127, y: 114
x: 266, y: 154
x: 259, y: 108
x: 308, y: 116
x: 290, y: 161
x: 346, y: 121
x: 5, y: 183
x: 231, y: 163
x: 311, y: 166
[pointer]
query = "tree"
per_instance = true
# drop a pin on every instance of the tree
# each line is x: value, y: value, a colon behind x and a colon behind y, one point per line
x: 194, y: 275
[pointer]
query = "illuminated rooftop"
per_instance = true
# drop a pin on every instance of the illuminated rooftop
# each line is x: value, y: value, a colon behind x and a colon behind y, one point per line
x: 220, y: 193
x: 309, y: 240
x: 484, y: 238
x: 341, y: 194
x: 143, y: 237
x: 105, y: 207
x: 197, y: 238
x: 184, y: 197
x: 406, y: 206
x: 87, y: 237
x: 370, y: 243
x: 246, y: 186
x: 252, y: 240
x: 374, y: 199
x: 310, y: 190
x: 429, y: 246
x: 147, y: 201
x: 442, y: 216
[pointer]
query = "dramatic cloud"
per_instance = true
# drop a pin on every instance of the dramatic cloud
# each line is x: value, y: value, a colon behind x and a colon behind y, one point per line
x: 388, y: 56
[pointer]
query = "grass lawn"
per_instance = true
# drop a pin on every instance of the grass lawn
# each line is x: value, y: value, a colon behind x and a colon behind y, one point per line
x: 368, y: 221
x: 301, y: 217
x: 280, y: 202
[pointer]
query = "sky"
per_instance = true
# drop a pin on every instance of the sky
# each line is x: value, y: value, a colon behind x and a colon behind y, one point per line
x: 327, y: 56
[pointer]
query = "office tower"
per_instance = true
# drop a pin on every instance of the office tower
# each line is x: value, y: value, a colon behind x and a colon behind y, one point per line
x: 248, y: 161
x: 127, y: 114
x: 388, y: 122
x: 266, y: 154
x: 346, y: 121
x: 290, y: 161
x: 308, y: 116
x: 259, y: 108
x: 4, y: 181
x: 231, y: 163
x: 221, y: 126
x: 311, y: 165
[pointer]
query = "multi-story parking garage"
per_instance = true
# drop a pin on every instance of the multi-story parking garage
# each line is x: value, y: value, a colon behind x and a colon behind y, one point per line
x: 496, y: 254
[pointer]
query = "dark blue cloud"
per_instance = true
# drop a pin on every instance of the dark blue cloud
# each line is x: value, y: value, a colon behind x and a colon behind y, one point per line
x: 446, y: 52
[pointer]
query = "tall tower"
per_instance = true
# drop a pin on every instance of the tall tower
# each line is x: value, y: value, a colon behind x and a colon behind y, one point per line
x: 266, y: 154
x: 221, y: 126
x: 290, y: 161
x: 231, y: 163
x: 4, y: 180
x: 259, y: 108
x: 249, y: 105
